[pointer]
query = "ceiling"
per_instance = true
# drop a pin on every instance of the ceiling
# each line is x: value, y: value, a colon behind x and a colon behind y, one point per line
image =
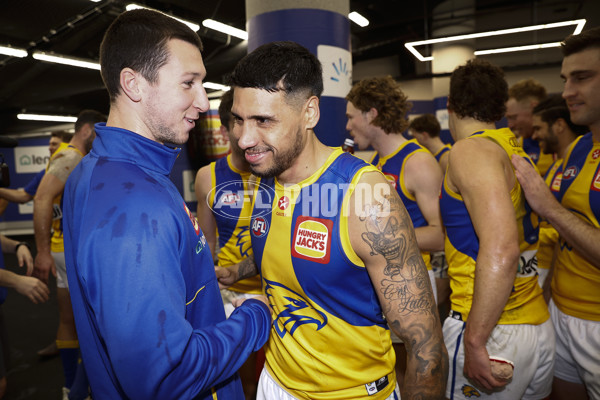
x: 75, y: 28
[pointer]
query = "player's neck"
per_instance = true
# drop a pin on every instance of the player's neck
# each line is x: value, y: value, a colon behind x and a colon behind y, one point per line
x: 434, y: 144
x: 465, y: 127
x: 386, y: 143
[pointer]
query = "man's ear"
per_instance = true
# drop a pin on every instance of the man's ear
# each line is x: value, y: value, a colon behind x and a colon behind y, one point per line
x: 372, y: 114
x: 559, y: 125
x: 130, y: 84
x: 312, y: 112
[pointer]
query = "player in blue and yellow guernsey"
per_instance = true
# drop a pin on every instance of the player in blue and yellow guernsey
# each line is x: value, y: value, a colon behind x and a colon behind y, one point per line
x: 376, y: 112
x: 334, y: 245
x: 426, y: 129
x: 499, y: 319
x: 223, y: 190
x: 554, y: 130
x: 575, y: 305
x: 523, y: 96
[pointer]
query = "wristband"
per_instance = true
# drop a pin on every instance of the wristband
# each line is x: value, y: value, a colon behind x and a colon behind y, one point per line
x: 22, y: 244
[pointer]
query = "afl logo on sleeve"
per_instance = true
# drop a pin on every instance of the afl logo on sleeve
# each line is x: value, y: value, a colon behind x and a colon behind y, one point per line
x: 260, y: 227
x: 570, y: 173
x: 312, y: 239
x: 192, y: 218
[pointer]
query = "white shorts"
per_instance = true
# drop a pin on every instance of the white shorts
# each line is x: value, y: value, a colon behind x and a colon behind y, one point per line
x: 577, y: 350
x: 228, y: 295
x: 529, y: 347
x: 61, y: 270
x: 396, y: 339
x: 269, y: 389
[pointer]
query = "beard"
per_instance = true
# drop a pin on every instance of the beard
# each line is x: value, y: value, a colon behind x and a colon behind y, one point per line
x: 281, y: 161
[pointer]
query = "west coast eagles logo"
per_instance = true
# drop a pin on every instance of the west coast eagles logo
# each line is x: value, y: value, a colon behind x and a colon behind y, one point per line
x: 470, y: 391
x: 296, y: 310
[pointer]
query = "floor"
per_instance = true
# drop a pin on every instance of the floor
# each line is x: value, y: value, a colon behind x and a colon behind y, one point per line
x: 31, y: 327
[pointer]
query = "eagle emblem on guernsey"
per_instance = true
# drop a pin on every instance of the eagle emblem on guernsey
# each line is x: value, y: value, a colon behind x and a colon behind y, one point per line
x: 296, y: 310
x: 470, y: 391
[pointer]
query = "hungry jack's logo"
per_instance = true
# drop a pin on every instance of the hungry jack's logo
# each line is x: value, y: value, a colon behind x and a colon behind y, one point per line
x: 312, y: 239
x: 596, y: 182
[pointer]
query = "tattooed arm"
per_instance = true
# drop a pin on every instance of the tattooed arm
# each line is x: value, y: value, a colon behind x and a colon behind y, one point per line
x: 383, y: 237
x: 246, y: 268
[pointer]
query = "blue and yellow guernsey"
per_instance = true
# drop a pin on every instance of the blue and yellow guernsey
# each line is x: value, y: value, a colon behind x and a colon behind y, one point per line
x: 549, y: 235
x: 56, y: 241
x: 438, y: 155
x: 525, y: 304
x: 392, y: 166
x: 329, y: 338
x: 576, y: 282
x: 541, y: 160
x: 232, y: 217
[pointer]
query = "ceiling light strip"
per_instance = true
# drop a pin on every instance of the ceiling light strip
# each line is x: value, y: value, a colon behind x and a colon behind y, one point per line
x: 410, y: 46
x: 358, y: 19
x: 221, y: 27
x: 517, y: 48
x: 65, y: 60
x: 13, y: 52
x: 42, y: 117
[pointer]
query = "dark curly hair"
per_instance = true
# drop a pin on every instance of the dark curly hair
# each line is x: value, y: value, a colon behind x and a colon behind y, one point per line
x: 426, y: 123
x: 478, y: 90
x: 384, y: 95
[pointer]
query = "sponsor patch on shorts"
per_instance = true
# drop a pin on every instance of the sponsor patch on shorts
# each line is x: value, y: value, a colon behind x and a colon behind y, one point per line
x: 377, y: 386
x: 312, y: 239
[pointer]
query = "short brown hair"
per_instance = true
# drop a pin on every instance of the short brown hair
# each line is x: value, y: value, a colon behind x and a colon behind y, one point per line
x: 62, y: 135
x: 527, y: 88
x: 384, y: 95
x: 587, y: 39
x: 426, y: 123
x: 138, y: 39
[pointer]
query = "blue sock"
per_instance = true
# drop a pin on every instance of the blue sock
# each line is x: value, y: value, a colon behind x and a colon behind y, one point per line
x: 80, y: 387
x: 69, y: 356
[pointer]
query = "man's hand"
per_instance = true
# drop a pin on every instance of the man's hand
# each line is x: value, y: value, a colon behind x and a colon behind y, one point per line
x: 32, y: 288
x: 239, y: 301
x: 44, y: 263
x: 225, y: 276
x: 478, y: 369
x: 537, y: 193
x: 24, y: 258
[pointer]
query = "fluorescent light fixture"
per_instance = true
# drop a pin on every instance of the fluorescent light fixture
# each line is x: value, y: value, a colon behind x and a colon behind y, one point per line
x: 95, y: 1
x: 358, y: 19
x: 41, y: 117
x: 229, y: 30
x: 11, y: 51
x: 517, y: 48
x: 65, y: 60
x: 193, y: 26
x: 411, y: 45
x: 215, y: 86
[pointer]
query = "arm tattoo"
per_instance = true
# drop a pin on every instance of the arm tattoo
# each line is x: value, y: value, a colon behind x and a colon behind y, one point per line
x: 408, y: 293
x: 407, y: 287
x: 247, y: 268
